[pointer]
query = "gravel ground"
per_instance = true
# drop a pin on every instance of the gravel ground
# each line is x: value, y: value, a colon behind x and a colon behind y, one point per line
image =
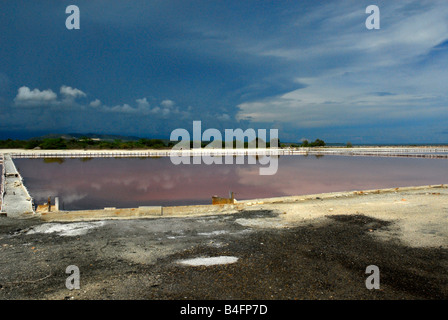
x: 318, y: 249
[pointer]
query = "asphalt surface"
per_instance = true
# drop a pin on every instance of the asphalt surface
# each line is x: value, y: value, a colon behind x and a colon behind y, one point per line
x: 324, y: 258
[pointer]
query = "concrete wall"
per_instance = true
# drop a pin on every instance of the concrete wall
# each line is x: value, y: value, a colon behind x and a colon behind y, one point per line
x: 16, y: 200
x: 2, y: 185
x: 186, y: 211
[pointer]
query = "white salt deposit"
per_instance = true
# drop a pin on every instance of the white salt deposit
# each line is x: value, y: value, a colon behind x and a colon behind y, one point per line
x: 209, y: 261
x: 66, y: 229
x: 213, y: 233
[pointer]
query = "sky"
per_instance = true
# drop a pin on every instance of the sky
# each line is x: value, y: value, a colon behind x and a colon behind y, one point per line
x: 310, y: 69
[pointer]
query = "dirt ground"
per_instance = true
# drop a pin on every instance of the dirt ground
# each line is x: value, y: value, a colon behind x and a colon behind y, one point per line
x: 314, y: 249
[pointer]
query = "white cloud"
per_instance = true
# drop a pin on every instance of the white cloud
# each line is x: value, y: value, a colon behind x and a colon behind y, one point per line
x: 155, y: 110
x: 359, y: 76
x: 25, y: 96
x: 96, y: 103
x: 70, y: 92
x: 142, y: 103
x: 223, y: 117
x: 335, y: 101
x: 143, y: 107
x: 166, y: 112
x: 167, y: 103
x: 47, y: 98
x: 125, y: 108
x: 167, y: 108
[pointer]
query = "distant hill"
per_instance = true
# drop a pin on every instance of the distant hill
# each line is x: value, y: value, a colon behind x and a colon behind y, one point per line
x: 102, y: 137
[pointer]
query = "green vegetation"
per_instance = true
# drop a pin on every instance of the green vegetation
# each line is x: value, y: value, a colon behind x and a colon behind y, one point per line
x: 54, y: 160
x: 84, y: 142
x: 306, y: 144
x: 260, y: 143
x: 317, y: 143
x: 60, y: 143
x: 12, y: 144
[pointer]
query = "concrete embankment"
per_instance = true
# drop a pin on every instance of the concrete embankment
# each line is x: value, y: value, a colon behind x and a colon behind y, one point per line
x: 222, y: 209
x: 16, y: 201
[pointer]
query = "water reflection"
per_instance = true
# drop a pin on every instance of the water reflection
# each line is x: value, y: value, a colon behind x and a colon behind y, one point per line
x: 131, y: 182
x: 54, y: 160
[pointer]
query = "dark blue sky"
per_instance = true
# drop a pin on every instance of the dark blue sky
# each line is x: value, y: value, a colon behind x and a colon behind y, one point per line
x: 310, y: 69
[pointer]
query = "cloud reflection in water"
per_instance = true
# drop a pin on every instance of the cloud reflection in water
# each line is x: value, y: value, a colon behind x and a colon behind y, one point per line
x: 133, y: 182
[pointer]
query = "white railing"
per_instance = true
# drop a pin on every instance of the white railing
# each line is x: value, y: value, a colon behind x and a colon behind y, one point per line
x: 417, y: 152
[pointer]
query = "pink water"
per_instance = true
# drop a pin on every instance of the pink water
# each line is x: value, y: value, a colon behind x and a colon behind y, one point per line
x: 133, y: 182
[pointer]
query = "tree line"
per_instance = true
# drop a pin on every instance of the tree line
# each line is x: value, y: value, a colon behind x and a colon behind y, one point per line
x: 88, y: 143
x: 307, y: 144
x: 82, y: 143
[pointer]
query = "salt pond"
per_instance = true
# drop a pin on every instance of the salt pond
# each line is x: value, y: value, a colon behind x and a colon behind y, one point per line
x: 95, y: 183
